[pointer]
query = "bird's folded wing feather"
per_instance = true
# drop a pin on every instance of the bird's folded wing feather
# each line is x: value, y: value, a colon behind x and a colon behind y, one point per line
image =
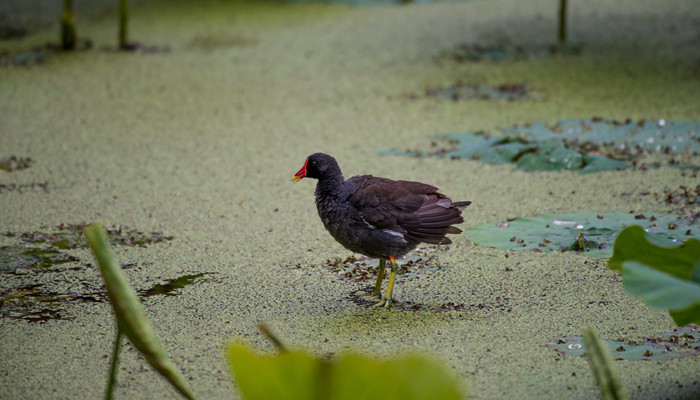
x: 413, y: 209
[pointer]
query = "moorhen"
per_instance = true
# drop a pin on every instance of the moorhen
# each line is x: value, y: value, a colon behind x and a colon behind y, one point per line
x: 379, y: 217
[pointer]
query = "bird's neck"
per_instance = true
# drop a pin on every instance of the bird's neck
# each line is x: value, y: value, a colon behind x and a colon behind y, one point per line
x: 329, y: 186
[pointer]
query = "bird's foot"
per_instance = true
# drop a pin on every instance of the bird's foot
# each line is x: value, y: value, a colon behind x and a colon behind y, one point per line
x: 385, y: 303
x: 370, y: 298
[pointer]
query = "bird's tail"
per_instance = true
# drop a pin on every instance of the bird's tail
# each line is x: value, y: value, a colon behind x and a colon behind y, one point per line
x: 461, y: 205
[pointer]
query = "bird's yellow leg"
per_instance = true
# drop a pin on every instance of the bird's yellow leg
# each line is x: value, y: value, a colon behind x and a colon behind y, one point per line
x: 377, y: 286
x: 386, y: 301
x: 380, y: 277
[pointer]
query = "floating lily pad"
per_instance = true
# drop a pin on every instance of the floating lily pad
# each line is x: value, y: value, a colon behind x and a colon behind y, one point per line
x: 64, y: 237
x: 653, y: 136
x: 70, y: 236
x: 43, y: 252
x: 671, y: 346
x: 34, y: 303
x: 509, y: 92
x: 560, y: 232
x: 20, y: 257
x: 586, y: 145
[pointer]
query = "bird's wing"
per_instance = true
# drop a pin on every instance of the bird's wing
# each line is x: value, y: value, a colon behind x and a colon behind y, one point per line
x: 413, y: 209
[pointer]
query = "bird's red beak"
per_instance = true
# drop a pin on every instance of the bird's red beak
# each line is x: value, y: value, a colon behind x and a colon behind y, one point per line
x: 301, y: 173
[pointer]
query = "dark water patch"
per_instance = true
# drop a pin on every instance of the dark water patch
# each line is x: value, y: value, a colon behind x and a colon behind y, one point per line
x: 137, y: 47
x: 172, y: 286
x: 461, y: 91
x: 70, y: 236
x: 682, y: 342
x: 49, y: 251
x: 34, y: 303
x: 24, y: 187
x: 588, y: 233
x: 212, y: 42
x: 12, y: 32
x: 16, y: 257
x: 42, y: 250
x: 37, y: 55
x: 477, y: 52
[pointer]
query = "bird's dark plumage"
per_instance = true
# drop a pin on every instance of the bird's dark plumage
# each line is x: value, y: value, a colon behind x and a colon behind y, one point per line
x: 380, y: 217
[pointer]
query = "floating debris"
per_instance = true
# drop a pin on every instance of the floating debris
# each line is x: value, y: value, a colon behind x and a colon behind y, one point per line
x: 14, y: 163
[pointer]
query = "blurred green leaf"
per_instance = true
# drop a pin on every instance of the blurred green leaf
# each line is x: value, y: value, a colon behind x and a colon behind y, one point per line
x: 674, y: 258
x: 297, y: 375
x: 130, y: 316
x: 661, y: 290
x: 665, y: 274
x: 287, y: 376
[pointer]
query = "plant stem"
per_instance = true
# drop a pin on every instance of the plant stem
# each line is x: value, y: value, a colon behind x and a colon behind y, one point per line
x: 562, y: 22
x: 265, y: 330
x: 115, y: 363
x: 68, y: 34
x: 123, y: 22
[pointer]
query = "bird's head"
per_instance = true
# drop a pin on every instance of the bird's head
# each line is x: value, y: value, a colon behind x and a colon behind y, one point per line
x: 317, y: 166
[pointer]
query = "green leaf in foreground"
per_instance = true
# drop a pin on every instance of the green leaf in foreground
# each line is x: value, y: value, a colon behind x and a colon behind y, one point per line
x: 298, y: 375
x: 665, y: 274
x: 131, y: 319
x: 603, y: 367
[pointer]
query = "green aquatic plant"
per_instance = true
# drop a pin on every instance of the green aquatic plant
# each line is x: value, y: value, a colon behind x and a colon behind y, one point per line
x: 664, y: 273
x: 130, y: 318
